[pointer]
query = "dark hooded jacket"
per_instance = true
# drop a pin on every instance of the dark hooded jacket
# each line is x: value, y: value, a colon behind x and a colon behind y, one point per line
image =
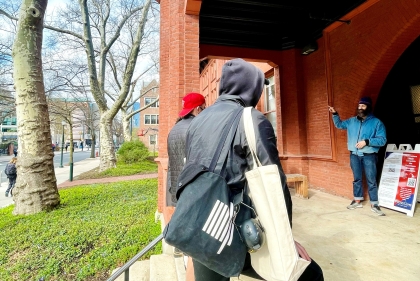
x: 241, y: 84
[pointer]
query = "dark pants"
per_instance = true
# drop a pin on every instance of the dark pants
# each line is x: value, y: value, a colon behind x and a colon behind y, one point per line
x: 365, y: 164
x: 12, y: 181
x: 202, y: 273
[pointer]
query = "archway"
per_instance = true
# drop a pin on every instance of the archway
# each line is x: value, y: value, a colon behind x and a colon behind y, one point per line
x: 394, y: 105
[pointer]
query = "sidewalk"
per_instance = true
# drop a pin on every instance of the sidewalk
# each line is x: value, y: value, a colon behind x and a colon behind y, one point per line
x: 356, y: 244
x: 61, y: 174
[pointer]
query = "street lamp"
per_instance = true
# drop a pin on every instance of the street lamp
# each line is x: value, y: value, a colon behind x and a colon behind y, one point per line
x: 62, y: 145
x: 83, y: 134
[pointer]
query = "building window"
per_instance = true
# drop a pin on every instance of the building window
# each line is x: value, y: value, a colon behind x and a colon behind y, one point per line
x: 148, y: 101
x: 270, y: 103
x: 415, y: 99
x: 153, y: 139
x: 151, y: 119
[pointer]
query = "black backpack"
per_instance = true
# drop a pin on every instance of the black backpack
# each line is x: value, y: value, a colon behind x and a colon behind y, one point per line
x: 10, y: 169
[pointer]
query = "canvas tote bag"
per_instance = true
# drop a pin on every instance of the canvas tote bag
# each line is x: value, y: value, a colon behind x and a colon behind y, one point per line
x: 277, y: 260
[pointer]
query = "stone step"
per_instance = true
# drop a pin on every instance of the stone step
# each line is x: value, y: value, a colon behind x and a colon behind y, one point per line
x: 163, y: 268
x: 139, y: 271
x: 159, y: 268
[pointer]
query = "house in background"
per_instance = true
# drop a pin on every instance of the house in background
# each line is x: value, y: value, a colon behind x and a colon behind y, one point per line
x: 148, y: 130
x: 8, y: 133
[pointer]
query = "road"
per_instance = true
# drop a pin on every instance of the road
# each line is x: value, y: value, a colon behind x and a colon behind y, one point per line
x: 77, y: 156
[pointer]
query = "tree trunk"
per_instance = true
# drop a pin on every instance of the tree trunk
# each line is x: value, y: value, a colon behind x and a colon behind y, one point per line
x: 108, y: 158
x: 92, y: 145
x: 36, y: 185
x: 126, y: 125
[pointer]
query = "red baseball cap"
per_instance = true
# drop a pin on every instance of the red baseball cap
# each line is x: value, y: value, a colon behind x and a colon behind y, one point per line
x: 191, y: 101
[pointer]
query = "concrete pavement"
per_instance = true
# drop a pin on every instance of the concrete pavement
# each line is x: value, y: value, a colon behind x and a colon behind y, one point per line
x: 61, y: 174
x: 357, y: 245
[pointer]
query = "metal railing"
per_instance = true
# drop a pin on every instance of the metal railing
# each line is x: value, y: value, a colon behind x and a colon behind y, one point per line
x: 126, y: 267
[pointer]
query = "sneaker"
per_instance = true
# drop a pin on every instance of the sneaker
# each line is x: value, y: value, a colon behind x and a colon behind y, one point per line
x: 377, y: 210
x: 6, y: 194
x: 353, y: 205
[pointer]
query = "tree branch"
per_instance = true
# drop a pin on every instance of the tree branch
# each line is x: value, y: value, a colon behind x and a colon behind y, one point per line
x: 141, y: 109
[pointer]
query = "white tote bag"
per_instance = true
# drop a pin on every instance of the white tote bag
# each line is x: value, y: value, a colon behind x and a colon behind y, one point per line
x: 278, y: 259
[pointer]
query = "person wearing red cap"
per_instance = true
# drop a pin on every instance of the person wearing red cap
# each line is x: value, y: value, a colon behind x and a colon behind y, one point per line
x: 365, y: 135
x: 192, y: 105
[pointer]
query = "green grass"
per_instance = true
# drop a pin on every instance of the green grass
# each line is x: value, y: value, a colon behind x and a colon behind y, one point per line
x: 96, y: 229
x: 122, y: 169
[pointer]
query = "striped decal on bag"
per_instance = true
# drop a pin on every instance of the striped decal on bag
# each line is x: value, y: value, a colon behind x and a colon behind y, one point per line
x: 219, y: 224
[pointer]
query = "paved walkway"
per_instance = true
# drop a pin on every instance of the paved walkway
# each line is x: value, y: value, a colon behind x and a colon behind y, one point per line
x: 61, y: 174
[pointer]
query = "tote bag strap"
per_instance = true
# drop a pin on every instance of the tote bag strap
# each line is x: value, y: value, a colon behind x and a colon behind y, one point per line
x: 250, y: 134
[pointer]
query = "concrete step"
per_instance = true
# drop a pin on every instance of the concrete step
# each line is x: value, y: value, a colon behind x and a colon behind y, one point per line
x: 162, y: 267
x: 139, y: 271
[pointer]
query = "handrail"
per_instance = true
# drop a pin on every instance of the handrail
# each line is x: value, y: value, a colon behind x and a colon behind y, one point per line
x: 126, y: 267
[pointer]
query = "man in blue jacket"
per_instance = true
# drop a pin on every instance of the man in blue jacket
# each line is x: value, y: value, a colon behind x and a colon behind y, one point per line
x: 365, y: 135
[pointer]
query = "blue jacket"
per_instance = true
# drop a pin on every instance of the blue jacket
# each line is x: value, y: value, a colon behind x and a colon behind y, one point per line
x: 371, y: 129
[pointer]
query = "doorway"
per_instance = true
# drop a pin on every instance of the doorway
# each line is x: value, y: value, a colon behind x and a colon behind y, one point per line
x: 398, y: 103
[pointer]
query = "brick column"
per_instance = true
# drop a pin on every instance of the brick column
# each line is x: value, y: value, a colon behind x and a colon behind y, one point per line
x: 179, y: 74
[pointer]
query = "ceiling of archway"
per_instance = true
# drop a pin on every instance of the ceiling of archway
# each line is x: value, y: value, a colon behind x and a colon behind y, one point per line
x: 269, y: 24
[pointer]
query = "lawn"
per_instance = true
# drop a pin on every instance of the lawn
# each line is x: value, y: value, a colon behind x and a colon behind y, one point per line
x: 122, y: 169
x: 96, y: 229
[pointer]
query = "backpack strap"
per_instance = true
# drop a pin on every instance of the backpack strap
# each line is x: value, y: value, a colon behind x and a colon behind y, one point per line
x: 232, y: 125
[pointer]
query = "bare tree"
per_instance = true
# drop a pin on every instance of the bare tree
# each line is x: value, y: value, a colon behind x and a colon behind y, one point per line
x: 65, y: 109
x: 127, y: 111
x: 95, y: 19
x: 7, y: 92
x: 111, y: 33
x: 37, y: 189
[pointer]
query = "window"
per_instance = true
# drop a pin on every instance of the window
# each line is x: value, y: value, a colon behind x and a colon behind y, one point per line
x: 7, y: 121
x: 151, y: 119
x: 415, y: 99
x: 270, y: 103
x: 148, y: 101
x: 153, y: 139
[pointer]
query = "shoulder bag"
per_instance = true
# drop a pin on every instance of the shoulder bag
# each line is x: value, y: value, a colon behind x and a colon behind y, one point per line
x: 277, y: 259
x: 203, y: 224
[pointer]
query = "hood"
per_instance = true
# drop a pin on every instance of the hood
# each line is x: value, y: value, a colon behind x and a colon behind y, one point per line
x: 240, y: 78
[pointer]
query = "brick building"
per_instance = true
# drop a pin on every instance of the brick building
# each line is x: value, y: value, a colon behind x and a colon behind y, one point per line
x: 367, y: 48
x: 149, y: 117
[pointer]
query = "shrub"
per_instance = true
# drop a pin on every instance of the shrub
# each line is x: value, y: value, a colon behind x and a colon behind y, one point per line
x: 132, y: 152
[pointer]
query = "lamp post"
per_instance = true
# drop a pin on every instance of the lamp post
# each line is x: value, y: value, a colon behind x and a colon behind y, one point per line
x: 83, y: 134
x: 62, y: 145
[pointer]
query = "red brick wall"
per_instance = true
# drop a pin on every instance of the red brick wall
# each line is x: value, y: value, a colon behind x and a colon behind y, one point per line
x: 352, y: 61
x: 179, y: 74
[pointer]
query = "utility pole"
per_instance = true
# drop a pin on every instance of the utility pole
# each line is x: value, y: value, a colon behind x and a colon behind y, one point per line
x: 62, y: 145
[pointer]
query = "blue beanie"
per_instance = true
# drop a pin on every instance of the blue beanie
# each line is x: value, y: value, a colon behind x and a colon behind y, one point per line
x: 365, y: 100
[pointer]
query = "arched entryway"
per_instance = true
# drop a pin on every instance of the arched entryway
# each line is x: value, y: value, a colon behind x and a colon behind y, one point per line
x: 395, y: 106
x: 398, y: 103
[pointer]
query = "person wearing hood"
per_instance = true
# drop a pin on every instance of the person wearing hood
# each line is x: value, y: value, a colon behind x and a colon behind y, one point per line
x: 365, y: 135
x: 241, y: 85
